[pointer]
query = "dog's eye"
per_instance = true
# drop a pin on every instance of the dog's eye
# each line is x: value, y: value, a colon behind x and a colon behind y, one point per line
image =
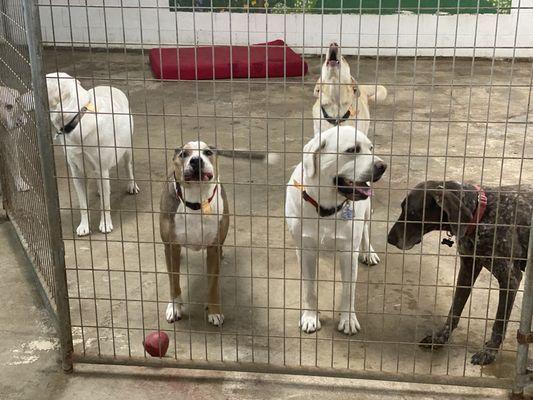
x: 9, y: 107
x: 208, y: 153
x: 371, y: 148
x: 355, y: 149
x: 183, y: 154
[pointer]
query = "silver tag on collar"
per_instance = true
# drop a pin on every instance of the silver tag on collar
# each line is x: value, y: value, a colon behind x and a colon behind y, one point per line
x: 347, y: 212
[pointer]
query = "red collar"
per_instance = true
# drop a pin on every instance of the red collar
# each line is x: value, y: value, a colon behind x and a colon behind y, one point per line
x: 323, y: 212
x: 479, y: 211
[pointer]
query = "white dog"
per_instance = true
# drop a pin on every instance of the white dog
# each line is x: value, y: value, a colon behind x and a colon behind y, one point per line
x: 96, y: 129
x: 342, y: 101
x: 12, y: 116
x: 325, y: 210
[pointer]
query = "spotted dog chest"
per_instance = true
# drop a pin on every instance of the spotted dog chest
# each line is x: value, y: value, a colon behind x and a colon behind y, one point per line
x: 195, y: 229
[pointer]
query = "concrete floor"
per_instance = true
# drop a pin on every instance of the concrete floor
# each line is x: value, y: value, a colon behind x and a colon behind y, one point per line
x: 29, y: 362
x: 117, y: 284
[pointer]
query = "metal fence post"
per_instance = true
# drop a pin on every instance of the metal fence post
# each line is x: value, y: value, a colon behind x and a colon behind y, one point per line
x: 525, y: 324
x: 44, y: 138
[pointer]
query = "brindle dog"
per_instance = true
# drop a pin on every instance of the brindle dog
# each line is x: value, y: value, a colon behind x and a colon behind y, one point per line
x: 498, y: 242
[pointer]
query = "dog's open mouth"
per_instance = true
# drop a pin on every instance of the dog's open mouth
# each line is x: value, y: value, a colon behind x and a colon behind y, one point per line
x: 353, y: 190
x: 333, y: 57
x: 197, y: 176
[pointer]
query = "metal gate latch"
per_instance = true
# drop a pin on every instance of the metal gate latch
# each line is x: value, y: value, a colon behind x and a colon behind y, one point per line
x: 524, y: 338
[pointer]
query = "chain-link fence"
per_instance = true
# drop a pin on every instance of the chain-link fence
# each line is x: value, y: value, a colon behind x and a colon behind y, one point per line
x: 440, y: 94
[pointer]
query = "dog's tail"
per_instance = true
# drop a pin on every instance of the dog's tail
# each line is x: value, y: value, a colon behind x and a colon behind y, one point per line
x: 376, y: 93
x: 257, y: 155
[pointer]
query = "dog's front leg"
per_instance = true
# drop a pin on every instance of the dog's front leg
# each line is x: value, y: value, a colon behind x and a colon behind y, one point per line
x: 214, y: 313
x: 20, y: 183
x: 468, y: 273
x: 509, y: 279
x: 349, y: 265
x: 368, y: 256
x: 172, y: 257
x: 309, y: 319
x: 106, y: 226
x: 81, y: 191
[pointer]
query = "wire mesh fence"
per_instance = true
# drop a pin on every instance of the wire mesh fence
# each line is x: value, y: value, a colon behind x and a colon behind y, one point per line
x: 438, y: 104
x: 22, y: 183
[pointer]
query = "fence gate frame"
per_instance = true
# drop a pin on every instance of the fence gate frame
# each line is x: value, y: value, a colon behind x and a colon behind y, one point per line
x: 60, y: 291
x: 48, y: 171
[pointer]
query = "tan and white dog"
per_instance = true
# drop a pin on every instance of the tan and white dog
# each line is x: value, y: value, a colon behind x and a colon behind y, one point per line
x: 13, y: 118
x: 325, y: 210
x: 194, y: 214
x: 340, y: 99
x: 96, y: 128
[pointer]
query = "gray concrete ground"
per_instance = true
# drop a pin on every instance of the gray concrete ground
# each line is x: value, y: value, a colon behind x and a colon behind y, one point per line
x: 424, y: 129
x: 30, y: 369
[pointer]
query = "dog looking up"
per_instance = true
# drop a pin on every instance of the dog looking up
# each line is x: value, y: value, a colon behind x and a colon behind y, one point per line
x: 492, y: 227
x: 96, y: 128
x: 340, y: 99
x: 13, y: 118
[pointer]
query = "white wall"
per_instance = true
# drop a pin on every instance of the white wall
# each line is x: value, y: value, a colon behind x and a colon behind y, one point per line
x: 155, y: 25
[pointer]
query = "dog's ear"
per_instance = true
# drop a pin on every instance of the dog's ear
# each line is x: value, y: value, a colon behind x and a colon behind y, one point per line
x: 316, y: 90
x: 458, y: 215
x: 27, y: 101
x: 310, y: 157
x: 177, y: 152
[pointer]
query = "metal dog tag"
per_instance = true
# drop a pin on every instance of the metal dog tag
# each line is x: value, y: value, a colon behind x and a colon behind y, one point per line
x: 347, y: 212
x: 206, y: 208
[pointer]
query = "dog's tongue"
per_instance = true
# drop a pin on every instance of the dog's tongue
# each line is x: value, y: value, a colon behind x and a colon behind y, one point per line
x: 206, y: 176
x: 365, y: 190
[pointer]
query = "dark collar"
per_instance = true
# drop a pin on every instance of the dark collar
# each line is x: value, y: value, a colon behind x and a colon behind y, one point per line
x: 73, y: 123
x: 323, y: 212
x: 336, y: 121
x: 192, y: 206
x: 479, y: 211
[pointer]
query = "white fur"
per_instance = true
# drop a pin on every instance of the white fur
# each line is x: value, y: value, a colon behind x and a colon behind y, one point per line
x: 322, y: 161
x: 106, y: 136
x: 13, y: 118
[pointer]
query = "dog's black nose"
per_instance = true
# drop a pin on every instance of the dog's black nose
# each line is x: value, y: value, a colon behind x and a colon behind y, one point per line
x: 379, y: 169
x: 392, y: 238
x: 196, y: 162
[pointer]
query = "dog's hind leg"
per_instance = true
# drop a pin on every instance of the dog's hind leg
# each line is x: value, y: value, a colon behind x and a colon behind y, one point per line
x: 309, y: 320
x: 367, y: 255
x: 81, y: 191
x: 509, y: 278
x: 348, y: 321
x: 132, y: 186
x: 106, y: 225
x: 468, y: 273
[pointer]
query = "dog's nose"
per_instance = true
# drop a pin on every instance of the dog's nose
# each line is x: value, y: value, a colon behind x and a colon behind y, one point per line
x: 21, y: 121
x: 379, y: 169
x: 196, y: 162
x: 392, y: 238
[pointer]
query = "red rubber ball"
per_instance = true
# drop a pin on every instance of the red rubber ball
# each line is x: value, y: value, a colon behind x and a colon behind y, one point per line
x: 156, y: 344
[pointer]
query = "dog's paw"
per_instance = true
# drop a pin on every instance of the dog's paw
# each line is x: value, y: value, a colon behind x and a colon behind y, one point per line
x: 106, y: 226
x: 173, y: 312
x: 133, y: 188
x: 485, y: 356
x: 215, y: 319
x: 349, y: 323
x: 310, y: 322
x: 83, y: 229
x: 433, y: 342
x: 369, y: 258
x: 21, y: 185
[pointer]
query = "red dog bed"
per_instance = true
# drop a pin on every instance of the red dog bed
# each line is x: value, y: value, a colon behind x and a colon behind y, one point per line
x: 272, y: 59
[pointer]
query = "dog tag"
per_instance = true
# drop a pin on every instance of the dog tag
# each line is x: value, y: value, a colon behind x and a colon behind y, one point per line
x: 347, y: 212
x: 206, y: 207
